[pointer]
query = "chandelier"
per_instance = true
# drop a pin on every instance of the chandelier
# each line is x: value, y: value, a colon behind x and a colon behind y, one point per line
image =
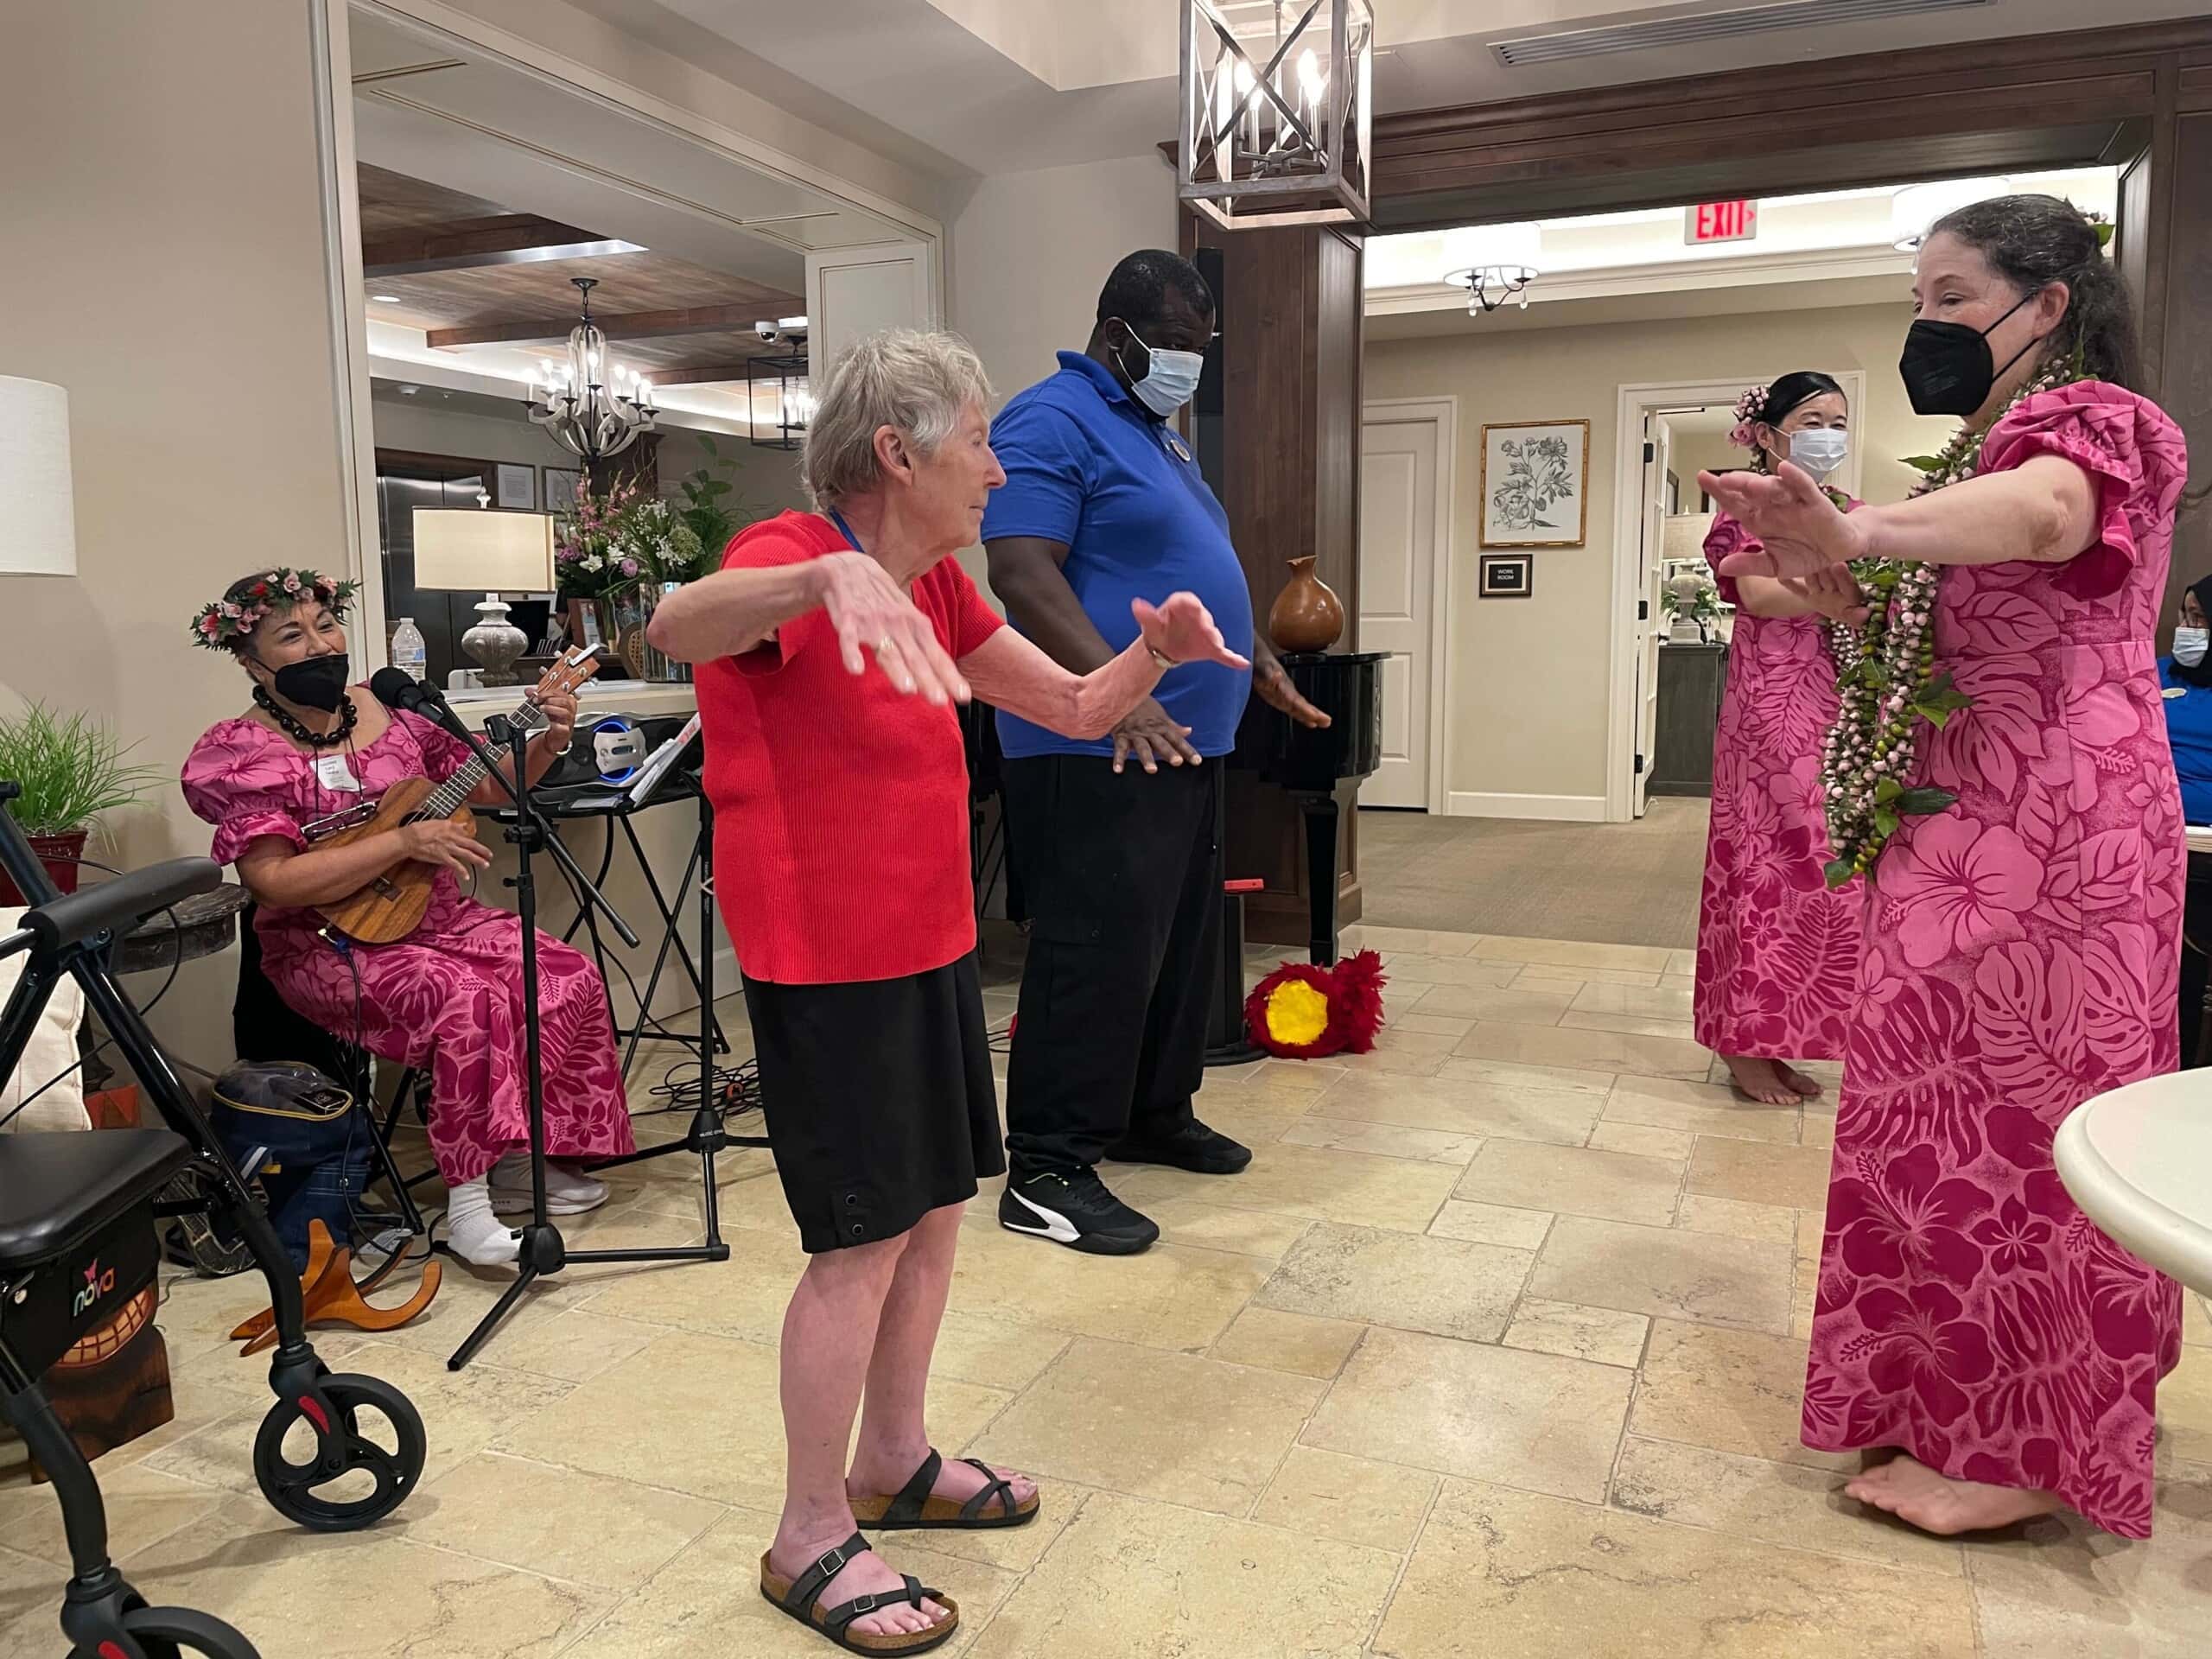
x: 1275, y: 111
x: 1493, y: 263
x: 597, y: 409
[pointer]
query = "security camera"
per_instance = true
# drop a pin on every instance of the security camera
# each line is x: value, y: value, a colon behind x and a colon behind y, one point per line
x: 767, y: 330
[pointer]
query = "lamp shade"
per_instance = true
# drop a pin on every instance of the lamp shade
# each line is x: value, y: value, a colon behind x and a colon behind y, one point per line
x: 465, y: 549
x: 38, y: 519
x: 1685, y: 534
x: 1474, y: 246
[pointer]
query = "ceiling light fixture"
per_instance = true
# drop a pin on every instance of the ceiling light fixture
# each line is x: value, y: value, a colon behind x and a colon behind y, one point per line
x: 595, y: 408
x: 1494, y: 264
x: 1276, y: 111
x: 1915, y: 209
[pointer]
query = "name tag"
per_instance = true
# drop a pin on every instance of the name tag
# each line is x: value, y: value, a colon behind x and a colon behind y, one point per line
x: 2172, y: 691
x: 332, y: 772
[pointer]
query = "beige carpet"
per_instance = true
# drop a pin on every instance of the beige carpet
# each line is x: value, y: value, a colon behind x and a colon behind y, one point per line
x: 1615, y: 883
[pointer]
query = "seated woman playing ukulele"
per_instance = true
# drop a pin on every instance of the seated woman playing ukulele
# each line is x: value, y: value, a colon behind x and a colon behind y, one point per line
x: 449, y: 995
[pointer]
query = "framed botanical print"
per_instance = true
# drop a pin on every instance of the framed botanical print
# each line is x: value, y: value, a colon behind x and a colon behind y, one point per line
x: 561, y: 487
x: 1536, y: 484
x: 517, y: 487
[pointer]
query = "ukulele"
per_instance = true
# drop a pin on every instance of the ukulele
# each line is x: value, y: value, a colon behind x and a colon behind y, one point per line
x: 388, y: 907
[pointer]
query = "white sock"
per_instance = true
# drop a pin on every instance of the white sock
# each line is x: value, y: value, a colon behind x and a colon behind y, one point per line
x: 476, y: 1234
x: 571, y: 1189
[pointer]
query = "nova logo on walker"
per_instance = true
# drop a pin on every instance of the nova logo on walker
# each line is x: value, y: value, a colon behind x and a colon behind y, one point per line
x: 96, y: 1285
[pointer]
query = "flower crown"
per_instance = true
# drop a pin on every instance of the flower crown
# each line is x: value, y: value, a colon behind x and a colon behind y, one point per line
x: 222, y: 621
x: 1748, y: 408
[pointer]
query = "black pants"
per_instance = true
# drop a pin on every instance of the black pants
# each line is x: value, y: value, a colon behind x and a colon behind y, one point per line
x: 1123, y: 880
x: 2196, y: 942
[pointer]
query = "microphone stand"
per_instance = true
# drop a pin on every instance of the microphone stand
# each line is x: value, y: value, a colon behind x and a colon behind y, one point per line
x: 542, y: 1252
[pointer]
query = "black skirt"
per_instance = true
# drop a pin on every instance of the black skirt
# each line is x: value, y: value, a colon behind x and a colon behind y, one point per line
x: 879, y: 1099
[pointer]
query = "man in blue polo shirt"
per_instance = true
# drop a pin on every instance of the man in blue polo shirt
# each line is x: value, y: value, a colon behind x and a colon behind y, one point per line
x: 1121, y: 868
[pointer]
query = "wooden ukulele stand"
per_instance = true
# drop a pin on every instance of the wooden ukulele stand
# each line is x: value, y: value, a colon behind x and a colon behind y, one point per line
x: 333, y: 1298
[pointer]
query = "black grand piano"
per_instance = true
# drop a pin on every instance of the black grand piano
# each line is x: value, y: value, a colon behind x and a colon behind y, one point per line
x: 1311, y: 764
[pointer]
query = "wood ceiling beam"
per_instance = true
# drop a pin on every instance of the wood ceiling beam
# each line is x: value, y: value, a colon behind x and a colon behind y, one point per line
x: 636, y: 325
x: 704, y: 374
x: 494, y: 239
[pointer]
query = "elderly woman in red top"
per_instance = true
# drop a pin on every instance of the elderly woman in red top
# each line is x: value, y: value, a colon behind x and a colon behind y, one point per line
x: 832, y: 647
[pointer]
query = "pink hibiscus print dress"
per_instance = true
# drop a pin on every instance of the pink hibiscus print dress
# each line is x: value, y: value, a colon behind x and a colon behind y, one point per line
x: 2022, y: 953
x: 448, y: 997
x: 1777, y: 949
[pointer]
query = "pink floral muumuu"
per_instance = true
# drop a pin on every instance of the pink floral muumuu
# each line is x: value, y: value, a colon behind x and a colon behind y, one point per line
x: 2021, y: 954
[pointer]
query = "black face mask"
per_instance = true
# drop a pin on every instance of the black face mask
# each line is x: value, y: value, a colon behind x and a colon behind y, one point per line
x: 1947, y: 368
x: 314, y: 682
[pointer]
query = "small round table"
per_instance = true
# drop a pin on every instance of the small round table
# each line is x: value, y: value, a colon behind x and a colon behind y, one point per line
x: 205, y: 924
x: 2138, y: 1161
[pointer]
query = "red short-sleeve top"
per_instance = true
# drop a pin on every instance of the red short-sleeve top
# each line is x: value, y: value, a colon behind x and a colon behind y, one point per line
x: 840, y: 805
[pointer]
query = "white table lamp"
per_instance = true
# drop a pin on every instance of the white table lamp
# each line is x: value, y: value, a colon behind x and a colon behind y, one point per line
x: 471, y: 548
x: 38, y: 520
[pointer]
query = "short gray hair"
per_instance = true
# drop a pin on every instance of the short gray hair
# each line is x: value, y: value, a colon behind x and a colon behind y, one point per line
x: 921, y: 384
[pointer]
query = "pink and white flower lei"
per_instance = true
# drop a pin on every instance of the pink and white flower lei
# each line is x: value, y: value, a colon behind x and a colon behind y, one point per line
x: 221, y: 621
x: 1747, y: 410
x: 1889, y: 690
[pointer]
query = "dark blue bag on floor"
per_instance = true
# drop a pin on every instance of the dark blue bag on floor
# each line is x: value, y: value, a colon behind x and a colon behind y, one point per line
x: 306, y: 1137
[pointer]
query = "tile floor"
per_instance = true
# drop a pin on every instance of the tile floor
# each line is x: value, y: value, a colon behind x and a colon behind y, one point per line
x: 1496, y: 1349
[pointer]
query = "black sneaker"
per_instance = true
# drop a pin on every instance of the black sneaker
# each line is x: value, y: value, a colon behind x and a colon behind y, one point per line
x: 1074, y: 1209
x: 1192, y: 1146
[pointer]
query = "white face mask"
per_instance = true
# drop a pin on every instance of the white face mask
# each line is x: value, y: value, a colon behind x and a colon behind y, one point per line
x: 2188, y: 645
x: 1170, y: 377
x: 1820, y: 450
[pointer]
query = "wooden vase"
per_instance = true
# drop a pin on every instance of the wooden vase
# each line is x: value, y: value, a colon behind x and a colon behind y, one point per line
x: 1307, y: 615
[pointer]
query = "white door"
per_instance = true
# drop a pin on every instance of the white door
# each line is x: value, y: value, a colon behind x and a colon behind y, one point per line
x: 1658, y: 453
x: 851, y: 292
x: 1397, y: 573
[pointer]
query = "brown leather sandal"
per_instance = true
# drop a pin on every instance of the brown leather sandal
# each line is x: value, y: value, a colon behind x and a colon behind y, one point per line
x: 800, y: 1598
x: 917, y: 1509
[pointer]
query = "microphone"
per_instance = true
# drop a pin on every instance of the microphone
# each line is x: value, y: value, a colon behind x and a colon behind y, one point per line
x: 396, y: 688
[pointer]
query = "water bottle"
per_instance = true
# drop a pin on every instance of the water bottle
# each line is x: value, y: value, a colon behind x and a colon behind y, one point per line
x: 410, y: 650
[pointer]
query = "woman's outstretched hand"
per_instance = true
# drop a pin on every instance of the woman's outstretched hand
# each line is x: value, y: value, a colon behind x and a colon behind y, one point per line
x: 876, y: 620
x: 1182, y: 631
x: 1800, y: 531
x: 1832, y: 592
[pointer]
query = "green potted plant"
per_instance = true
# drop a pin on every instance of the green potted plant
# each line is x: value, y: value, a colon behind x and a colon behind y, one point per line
x: 70, y: 770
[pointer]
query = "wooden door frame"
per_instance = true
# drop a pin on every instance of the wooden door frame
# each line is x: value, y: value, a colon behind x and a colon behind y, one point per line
x: 1441, y: 416
x: 1636, y: 399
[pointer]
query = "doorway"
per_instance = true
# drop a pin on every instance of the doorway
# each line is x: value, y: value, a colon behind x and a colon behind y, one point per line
x: 1642, y: 496
x: 1405, y: 591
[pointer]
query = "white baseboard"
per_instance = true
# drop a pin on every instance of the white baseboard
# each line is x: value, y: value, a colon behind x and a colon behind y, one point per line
x: 1562, y: 808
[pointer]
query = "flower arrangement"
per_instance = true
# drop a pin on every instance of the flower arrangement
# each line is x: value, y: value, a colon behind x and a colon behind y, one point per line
x: 1886, y: 678
x: 1748, y: 410
x: 713, y: 518
x: 219, y: 622
x: 606, y: 542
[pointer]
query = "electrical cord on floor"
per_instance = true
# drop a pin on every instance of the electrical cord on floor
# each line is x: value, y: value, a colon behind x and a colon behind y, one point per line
x: 737, y: 1090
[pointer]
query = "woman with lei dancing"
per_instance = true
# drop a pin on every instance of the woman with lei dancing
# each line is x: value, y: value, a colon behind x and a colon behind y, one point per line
x: 448, y: 997
x: 1777, y: 948
x: 2001, y: 774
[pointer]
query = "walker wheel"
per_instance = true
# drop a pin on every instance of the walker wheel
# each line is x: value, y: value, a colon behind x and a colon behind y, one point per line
x: 318, y: 1467
x: 170, y: 1633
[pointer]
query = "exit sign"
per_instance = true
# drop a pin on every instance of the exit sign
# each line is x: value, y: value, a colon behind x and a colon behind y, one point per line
x: 1720, y: 222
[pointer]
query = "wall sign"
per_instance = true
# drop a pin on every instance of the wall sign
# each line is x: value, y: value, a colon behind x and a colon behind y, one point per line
x: 1720, y: 222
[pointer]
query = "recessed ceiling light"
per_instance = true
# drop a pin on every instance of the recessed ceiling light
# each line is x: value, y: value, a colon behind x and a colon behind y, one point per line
x: 385, y: 299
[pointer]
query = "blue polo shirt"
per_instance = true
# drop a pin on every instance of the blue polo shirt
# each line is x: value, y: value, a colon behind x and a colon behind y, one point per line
x: 1087, y: 467
x: 2189, y: 728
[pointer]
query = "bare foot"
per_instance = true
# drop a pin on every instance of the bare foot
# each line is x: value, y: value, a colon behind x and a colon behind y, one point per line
x: 1797, y: 1081
x: 864, y: 1575
x: 1762, y: 1081
x: 1916, y: 1495
x: 956, y: 1480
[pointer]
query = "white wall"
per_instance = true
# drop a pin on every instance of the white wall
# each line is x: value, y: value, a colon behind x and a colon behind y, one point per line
x: 172, y: 215
x: 1530, y: 677
x: 1026, y: 253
